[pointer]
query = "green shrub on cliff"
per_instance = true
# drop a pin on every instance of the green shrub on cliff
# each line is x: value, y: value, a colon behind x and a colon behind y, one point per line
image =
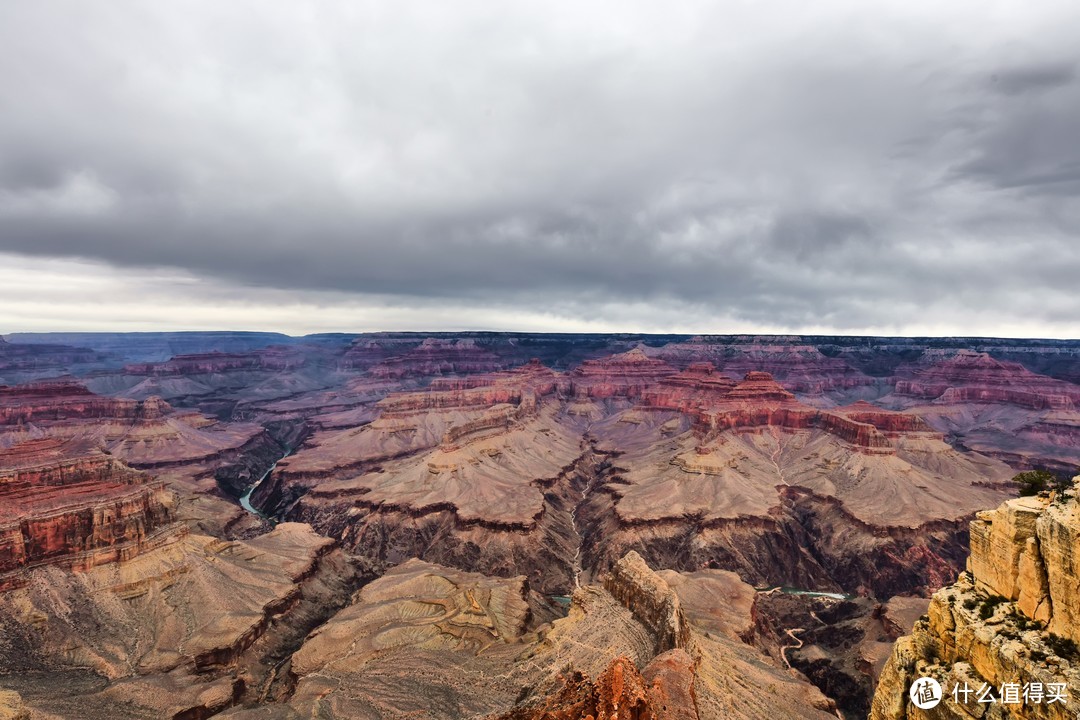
x: 989, y: 606
x: 1033, y: 482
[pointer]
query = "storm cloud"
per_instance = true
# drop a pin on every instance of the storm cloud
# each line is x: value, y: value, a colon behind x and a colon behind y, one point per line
x: 783, y: 166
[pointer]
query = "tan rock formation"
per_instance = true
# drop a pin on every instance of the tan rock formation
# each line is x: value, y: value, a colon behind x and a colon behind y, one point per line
x: 1012, y: 618
x: 12, y: 707
x: 429, y: 642
x: 653, y: 602
x: 174, y: 632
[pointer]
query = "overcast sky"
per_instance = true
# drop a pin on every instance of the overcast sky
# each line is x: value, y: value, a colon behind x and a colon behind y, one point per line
x: 828, y: 166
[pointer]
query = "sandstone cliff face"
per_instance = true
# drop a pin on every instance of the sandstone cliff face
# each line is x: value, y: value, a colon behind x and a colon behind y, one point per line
x: 74, y: 506
x: 650, y: 599
x: 1009, y: 619
x: 1026, y: 551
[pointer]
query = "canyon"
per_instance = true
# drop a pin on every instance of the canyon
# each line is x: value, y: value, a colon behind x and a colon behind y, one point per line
x: 511, y: 526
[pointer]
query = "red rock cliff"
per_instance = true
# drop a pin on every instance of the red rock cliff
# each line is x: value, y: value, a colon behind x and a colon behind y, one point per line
x: 54, y: 401
x: 626, y: 375
x: 70, y: 504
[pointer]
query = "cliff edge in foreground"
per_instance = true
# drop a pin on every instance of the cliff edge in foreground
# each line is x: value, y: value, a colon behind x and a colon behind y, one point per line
x: 1007, y: 629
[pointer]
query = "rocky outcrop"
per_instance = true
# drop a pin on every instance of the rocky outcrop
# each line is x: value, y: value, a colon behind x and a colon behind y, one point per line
x: 67, y: 400
x: 147, y: 434
x: 71, y: 505
x: 439, y: 357
x: 695, y: 388
x: 650, y: 599
x: 204, y: 364
x: 625, y: 375
x: 761, y: 402
x: 663, y: 690
x: 1012, y: 618
x: 489, y: 505
x: 460, y: 444
x: 799, y: 367
x: 1026, y: 551
x: 521, y: 385
x: 11, y: 705
x: 889, y: 422
x: 363, y: 354
x: 433, y: 642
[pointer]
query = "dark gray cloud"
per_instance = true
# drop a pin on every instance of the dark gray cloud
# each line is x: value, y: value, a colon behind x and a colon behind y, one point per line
x: 837, y: 166
x: 1033, y: 78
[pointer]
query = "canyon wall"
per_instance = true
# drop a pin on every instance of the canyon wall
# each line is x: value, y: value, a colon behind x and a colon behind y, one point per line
x: 77, y: 507
x: 1010, y: 619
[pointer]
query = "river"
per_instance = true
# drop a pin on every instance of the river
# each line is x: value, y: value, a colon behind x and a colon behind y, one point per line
x: 245, y: 499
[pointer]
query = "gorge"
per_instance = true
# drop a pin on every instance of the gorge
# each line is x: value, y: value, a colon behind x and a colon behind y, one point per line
x: 516, y: 526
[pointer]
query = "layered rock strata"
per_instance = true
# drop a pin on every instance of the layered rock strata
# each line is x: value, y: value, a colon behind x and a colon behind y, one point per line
x: 1010, y: 619
x: 976, y: 377
x: 995, y: 407
x: 68, y: 504
x: 439, y: 357
x: 498, y: 472
x: 799, y: 367
x: 146, y: 433
x: 628, y: 374
x: 22, y: 362
x: 68, y: 400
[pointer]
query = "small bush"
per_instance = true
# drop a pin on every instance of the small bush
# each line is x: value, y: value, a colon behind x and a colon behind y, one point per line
x: 1033, y: 482
x: 1024, y: 622
x: 1063, y: 647
x: 970, y: 603
x: 989, y: 605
